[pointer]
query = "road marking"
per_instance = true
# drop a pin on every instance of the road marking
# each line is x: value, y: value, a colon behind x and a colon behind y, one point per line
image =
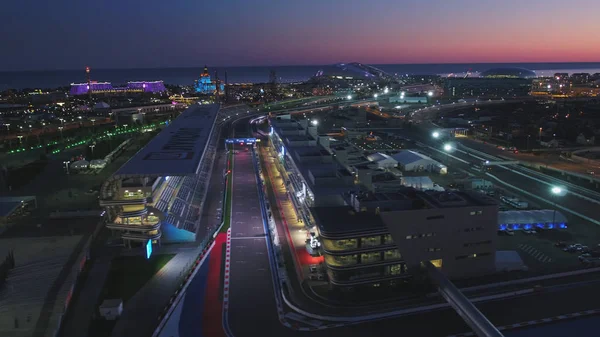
x: 248, y: 238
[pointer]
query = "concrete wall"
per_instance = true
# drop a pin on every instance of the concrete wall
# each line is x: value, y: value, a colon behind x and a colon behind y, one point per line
x: 454, y: 231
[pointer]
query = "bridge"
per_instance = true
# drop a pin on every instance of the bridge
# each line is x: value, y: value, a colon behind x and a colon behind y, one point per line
x: 461, y: 304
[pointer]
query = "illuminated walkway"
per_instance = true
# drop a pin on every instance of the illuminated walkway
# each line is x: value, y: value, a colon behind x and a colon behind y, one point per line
x: 295, y: 231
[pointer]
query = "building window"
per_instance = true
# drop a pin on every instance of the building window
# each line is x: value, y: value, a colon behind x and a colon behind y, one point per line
x: 475, y: 244
x: 392, y: 254
x: 338, y: 245
x: 370, y: 257
x: 370, y: 241
x: 473, y: 229
x: 341, y: 260
x: 387, y: 239
x: 395, y: 269
x: 437, y: 263
x: 408, y: 237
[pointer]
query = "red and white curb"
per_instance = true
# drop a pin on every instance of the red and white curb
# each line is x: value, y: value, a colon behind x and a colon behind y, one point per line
x: 227, y: 265
x: 538, y: 321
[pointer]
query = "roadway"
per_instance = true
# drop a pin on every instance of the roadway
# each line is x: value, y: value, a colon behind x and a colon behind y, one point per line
x: 537, y: 184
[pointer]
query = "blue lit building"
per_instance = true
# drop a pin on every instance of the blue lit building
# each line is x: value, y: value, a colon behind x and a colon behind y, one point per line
x: 205, y: 85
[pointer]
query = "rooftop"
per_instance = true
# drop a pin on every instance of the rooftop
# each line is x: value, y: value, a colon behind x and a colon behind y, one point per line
x: 345, y: 219
x: 179, y: 148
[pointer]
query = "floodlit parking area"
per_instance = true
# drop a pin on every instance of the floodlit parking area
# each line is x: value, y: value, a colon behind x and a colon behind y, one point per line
x: 553, y: 250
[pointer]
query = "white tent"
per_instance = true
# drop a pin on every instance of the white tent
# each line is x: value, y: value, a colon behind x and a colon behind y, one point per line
x: 97, y: 163
x: 414, y: 161
x: 382, y: 160
x: 421, y: 183
x: 80, y: 164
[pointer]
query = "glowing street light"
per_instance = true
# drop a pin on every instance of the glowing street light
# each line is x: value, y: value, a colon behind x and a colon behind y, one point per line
x: 435, y: 135
x: 557, y: 191
x: 349, y: 97
x: 430, y: 94
x: 314, y: 122
x: 386, y: 90
x: 447, y: 147
x: 375, y: 96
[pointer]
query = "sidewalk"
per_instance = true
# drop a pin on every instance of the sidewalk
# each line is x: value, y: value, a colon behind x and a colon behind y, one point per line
x: 141, y: 312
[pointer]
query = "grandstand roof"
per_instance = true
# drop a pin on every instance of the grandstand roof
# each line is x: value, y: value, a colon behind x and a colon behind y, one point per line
x: 179, y: 148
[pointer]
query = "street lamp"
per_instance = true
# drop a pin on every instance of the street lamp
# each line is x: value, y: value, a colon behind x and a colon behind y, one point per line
x: 435, y: 135
x: 66, y: 166
x: 349, y: 97
x: 7, y: 127
x: 447, y: 148
x: 60, y: 128
x: 375, y: 95
x: 314, y: 122
x: 557, y: 191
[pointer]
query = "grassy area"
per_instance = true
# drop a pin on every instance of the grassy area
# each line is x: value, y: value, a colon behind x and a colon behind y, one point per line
x: 126, y: 276
x: 129, y: 273
x: 228, y: 190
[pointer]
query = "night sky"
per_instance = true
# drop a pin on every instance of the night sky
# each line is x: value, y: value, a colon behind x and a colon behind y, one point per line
x: 64, y: 34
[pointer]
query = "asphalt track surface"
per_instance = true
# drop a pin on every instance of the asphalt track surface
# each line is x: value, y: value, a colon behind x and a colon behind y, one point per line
x: 253, y: 308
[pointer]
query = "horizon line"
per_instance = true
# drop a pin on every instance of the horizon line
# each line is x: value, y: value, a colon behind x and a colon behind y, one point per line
x: 296, y: 65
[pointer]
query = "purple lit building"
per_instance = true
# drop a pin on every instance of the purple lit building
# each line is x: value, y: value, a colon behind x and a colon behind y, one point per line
x: 107, y: 88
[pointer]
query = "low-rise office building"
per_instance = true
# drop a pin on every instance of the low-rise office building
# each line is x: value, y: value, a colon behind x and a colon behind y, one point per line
x: 382, y: 238
x: 311, y: 172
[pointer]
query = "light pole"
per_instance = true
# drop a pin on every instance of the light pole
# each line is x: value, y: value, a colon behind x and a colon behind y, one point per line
x: 92, y: 147
x: 66, y: 166
x: 556, y: 192
x: 528, y: 137
x: 60, y: 128
x: 447, y: 149
x: 20, y: 139
x: 7, y: 128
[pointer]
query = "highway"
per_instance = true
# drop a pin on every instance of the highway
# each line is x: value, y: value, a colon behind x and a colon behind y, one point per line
x: 582, y: 203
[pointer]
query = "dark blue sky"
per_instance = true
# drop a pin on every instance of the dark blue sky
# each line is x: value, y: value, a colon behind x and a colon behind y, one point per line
x: 64, y: 34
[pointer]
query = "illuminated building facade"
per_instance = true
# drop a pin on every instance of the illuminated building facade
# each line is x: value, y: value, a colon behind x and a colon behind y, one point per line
x: 107, y: 87
x: 205, y: 85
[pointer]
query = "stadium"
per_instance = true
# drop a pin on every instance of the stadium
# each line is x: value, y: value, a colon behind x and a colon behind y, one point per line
x: 158, y: 194
x: 351, y: 71
x: 508, y: 73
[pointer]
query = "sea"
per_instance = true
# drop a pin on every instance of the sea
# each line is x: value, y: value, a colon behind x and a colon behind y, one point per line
x: 49, y: 79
